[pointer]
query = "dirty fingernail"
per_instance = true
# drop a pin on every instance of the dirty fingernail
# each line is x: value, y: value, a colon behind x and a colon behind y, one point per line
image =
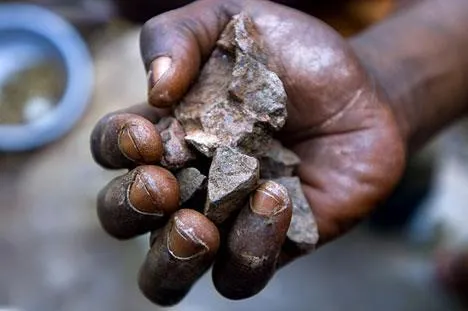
x: 128, y: 143
x: 153, y: 191
x: 182, y: 242
x: 142, y: 196
x: 158, y: 69
x: 140, y: 142
x: 269, y: 199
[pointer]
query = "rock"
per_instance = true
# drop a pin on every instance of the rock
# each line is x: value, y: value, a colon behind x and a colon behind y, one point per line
x: 278, y: 162
x: 232, y: 177
x: 190, y: 181
x: 177, y: 153
x: 303, y: 231
x: 237, y: 101
x: 203, y: 142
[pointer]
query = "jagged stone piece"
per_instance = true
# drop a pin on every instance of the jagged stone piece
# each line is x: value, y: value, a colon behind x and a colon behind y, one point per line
x: 237, y: 101
x: 232, y: 177
x: 190, y: 181
x: 303, y: 231
x: 203, y: 142
x: 177, y: 153
x: 278, y: 162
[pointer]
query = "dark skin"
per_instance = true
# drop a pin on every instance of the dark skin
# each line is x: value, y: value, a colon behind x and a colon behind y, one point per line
x: 354, y: 107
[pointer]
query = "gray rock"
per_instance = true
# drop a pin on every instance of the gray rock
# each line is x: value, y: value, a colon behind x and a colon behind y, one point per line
x: 232, y: 177
x: 203, y: 142
x: 303, y: 231
x: 278, y: 162
x: 177, y: 153
x: 237, y: 101
x: 190, y: 181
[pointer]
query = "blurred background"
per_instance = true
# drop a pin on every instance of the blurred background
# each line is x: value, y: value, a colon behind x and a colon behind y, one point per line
x: 66, y: 63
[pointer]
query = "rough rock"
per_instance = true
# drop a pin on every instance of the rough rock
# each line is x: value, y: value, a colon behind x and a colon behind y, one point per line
x: 177, y: 153
x: 190, y: 181
x: 232, y: 177
x: 303, y: 231
x: 278, y: 162
x: 237, y: 101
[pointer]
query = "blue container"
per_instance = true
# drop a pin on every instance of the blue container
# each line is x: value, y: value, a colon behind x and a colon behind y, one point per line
x: 29, y: 35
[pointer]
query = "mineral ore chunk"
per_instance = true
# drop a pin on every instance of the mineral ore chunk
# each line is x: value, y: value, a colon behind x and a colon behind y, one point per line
x: 303, y: 231
x: 237, y: 101
x: 232, y: 177
x: 278, y: 161
x: 177, y: 153
x: 190, y: 181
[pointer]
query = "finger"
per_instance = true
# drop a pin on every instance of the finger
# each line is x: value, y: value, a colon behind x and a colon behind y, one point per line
x: 174, y: 45
x: 123, y: 140
x: 249, y: 259
x: 146, y: 111
x: 138, y: 202
x: 179, y: 255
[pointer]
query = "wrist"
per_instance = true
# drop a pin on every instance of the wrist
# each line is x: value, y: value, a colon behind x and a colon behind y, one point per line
x: 418, y: 59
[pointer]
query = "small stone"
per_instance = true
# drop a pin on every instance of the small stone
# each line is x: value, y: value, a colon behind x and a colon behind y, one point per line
x: 232, y: 177
x: 203, y: 142
x: 190, y: 181
x: 303, y: 231
x: 177, y: 153
x: 278, y: 162
x: 163, y: 123
x: 237, y: 101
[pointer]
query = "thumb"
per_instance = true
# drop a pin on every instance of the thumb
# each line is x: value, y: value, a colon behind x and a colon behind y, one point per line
x: 174, y: 45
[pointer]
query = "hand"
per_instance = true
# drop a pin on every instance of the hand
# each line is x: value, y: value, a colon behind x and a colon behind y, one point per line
x: 339, y: 124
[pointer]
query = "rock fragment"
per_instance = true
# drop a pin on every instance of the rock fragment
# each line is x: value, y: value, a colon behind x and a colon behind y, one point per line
x: 303, y: 231
x: 232, y: 177
x: 237, y: 101
x: 278, y: 162
x: 203, y: 142
x: 177, y: 153
x: 190, y: 181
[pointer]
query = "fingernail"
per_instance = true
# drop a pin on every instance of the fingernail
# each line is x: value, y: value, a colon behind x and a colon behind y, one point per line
x: 182, y: 243
x: 142, y: 196
x: 140, y: 142
x: 157, y: 70
x: 269, y: 199
x: 128, y: 143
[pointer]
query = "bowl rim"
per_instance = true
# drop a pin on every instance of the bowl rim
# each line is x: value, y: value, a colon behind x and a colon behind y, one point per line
x: 77, y: 64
